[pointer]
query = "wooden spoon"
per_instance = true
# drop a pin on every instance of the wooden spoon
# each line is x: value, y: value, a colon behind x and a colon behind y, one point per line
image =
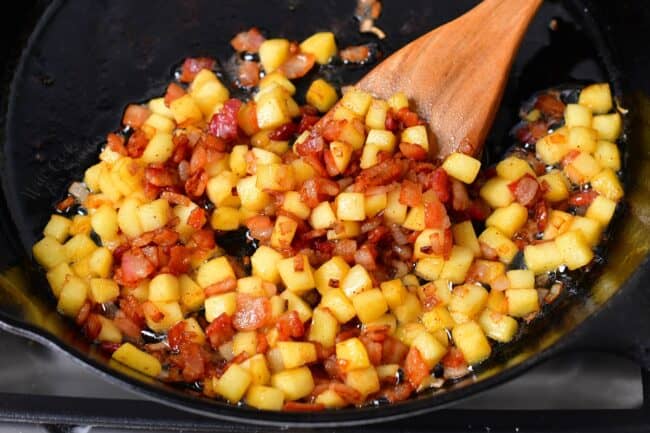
x: 455, y: 74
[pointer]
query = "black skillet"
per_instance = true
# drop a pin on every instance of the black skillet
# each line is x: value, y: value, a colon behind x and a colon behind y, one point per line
x: 86, y: 60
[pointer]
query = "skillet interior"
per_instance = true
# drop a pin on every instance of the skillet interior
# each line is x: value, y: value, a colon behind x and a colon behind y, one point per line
x: 86, y: 61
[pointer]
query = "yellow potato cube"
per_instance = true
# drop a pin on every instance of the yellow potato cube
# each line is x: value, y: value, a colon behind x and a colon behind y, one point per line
x: 607, y: 184
x: 577, y: 115
x: 357, y: 101
x: 471, y: 341
x: 58, y: 227
x: 295, y: 383
x: 609, y: 126
x: 72, y: 297
x: 208, y: 96
x: 522, y: 302
x: 437, y: 318
x: 394, y: 292
x: 370, y: 305
x: 608, y: 155
x: 521, y: 279
x: 465, y: 236
x: 508, y: 219
x: 157, y: 106
x: 422, y: 247
x: 350, y: 206
x: 512, y: 168
x: 590, y: 229
x: 214, y: 271
x: 237, y: 160
x: 341, y: 153
x: 376, y: 115
x: 430, y: 348
x: 558, y: 223
x: 57, y: 277
x: 275, y: 177
x: 597, y: 97
x: 496, y: 192
x: 356, y: 281
x: 322, y: 216
x: 395, y: 212
x: 601, y: 209
x: 557, y: 186
x: 297, y: 304
x: 264, y: 263
x: 352, y: 354
x: 154, y: 215
x: 293, y: 203
x: 251, y: 286
x: 296, y: 354
x: 397, y: 101
x: 415, y: 219
x: 376, y: 203
x: 277, y: 78
x: 128, y: 219
x: 324, y: 327
x: 387, y: 321
x: 339, y: 305
x: 330, y: 399
x: 265, y: 398
x: 369, y: 156
x: 505, y: 248
x: 49, y: 253
x: 250, y: 195
x: 272, y: 111
x: 542, y: 257
x: 171, y: 312
x: 409, y: 310
x: 344, y: 230
x: 164, y: 288
x: 220, y: 189
x: 159, y: 123
x: 273, y: 53
x: 108, y: 331
x: 244, y: 342
x: 582, y: 168
x: 191, y: 294
x: 322, y: 45
x: 215, y: 306
x: 299, y: 280
x: 138, y: 360
x: 462, y: 167
x: 159, y: 149
x: 330, y: 274
x: 232, y: 385
x: 456, y: 267
x: 258, y: 369
x: 364, y: 380
x: 468, y: 299
x: 497, y: 302
x: 321, y: 95
x: 104, y: 222
x: 381, y: 139
x: 416, y: 135
x: 583, y: 138
x: 225, y: 218
x: 103, y: 290
x: 283, y: 232
x: 406, y: 332
x: 79, y: 247
x: 574, y: 249
x: 498, y: 326
x: 429, y: 268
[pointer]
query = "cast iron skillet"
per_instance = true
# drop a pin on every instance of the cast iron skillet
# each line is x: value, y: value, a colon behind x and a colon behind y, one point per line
x: 86, y: 60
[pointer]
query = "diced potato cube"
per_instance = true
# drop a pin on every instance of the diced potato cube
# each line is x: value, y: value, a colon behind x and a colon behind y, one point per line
x: 157, y: 106
x: 159, y: 123
x: 191, y: 294
x: 250, y: 195
x: 422, y: 247
x: 498, y: 326
x: 439, y: 290
x: 264, y: 263
x: 171, y: 312
x: 505, y: 248
x: 57, y: 277
x: 138, y: 360
x: 429, y: 268
x: 237, y: 161
x: 296, y: 354
x: 330, y: 399
x: 557, y: 186
x: 258, y: 369
x: 283, y: 232
x: 220, y: 189
x: 512, y: 168
x: 215, y: 306
x: 154, y: 215
x: 381, y: 139
x: 341, y: 153
x: 542, y: 257
x: 521, y: 279
x: 232, y: 385
x: 275, y: 177
x: 350, y: 206
x: 364, y: 380
x: 272, y: 111
x: 415, y: 219
x: 277, y: 79
x: 406, y: 332
x: 456, y: 267
x: 508, y: 219
x: 376, y: 115
x: 468, y: 299
x: 265, y: 397
x: 583, y: 138
x: 409, y: 310
x: 430, y: 348
x: 128, y: 219
x: 356, y: 281
x: 497, y: 301
x: 597, y: 97
x: 558, y: 223
x: 49, y: 253
x: 395, y: 212
x: 574, y: 249
x: 293, y: 203
x: 387, y: 321
x: 104, y: 222
x: 322, y: 45
x: 394, y: 292
x: 376, y: 203
x: 465, y: 236
x: 192, y: 327
x: 103, y: 290
x: 609, y: 126
x: 344, y: 230
x: 397, y: 101
x: 298, y: 279
x: 72, y: 297
x: 437, y: 318
x: 324, y: 327
x: 159, y: 149
x: 294, y: 384
x: 225, y: 218
x: 339, y: 305
x: 471, y: 341
x: 582, y: 168
x: 208, y: 96
x: 370, y: 305
x: 79, y: 247
x: 608, y: 155
x: 496, y: 192
x: 418, y: 135
x: 462, y: 167
x: 321, y: 95
x: 164, y: 288
x: 590, y: 229
x: 251, y: 286
x: 273, y: 53
x: 577, y: 115
x: 244, y: 342
x: 357, y: 101
x: 297, y: 304
x: 607, y: 184
x: 369, y: 156
x: 214, y: 271
x: 601, y: 209
x: 331, y: 274
x: 58, y: 227
x: 522, y: 302
x: 322, y: 216
x: 352, y: 354
x: 108, y: 331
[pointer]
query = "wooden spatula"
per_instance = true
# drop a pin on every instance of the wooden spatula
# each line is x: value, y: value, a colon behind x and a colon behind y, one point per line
x: 455, y: 74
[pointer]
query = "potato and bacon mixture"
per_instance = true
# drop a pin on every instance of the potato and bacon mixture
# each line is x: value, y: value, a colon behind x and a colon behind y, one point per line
x: 375, y: 271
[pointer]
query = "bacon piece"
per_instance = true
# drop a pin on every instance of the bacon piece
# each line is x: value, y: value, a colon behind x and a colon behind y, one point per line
x: 174, y: 91
x: 248, y: 73
x: 224, y: 124
x: 355, y: 54
x: 194, y: 65
x: 415, y: 368
x: 197, y: 218
x: 252, y: 312
x: 394, y: 351
x: 295, y: 406
x: 219, y: 331
x: 550, y: 105
x: 248, y: 41
x: 115, y: 142
x: 135, y: 266
x: 380, y: 174
x: 298, y: 65
x: 435, y: 215
x: 135, y: 115
x: 284, y: 132
x: 583, y: 198
x: 397, y: 393
x: 526, y: 190
x: 410, y: 194
x: 289, y: 326
x: 260, y: 227
x: 160, y: 176
x: 224, y: 286
x: 196, y: 184
x: 137, y: 144
x: 179, y: 260
x: 413, y: 151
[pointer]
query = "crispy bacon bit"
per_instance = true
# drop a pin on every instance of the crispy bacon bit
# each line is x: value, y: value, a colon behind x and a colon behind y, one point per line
x: 355, y: 54
x: 135, y: 116
x: 65, y: 204
x: 413, y: 151
x: 307, y: 121
x: 197, y: 218
x: 541, y: 215
x: 442, y: 242
x: 394, y: 351
x: 160, y: 176
x: 583, y: 198
x: 295, y: 406
x: 284, y: 132
x: 290, y: 326
x: 252, y: 312
x: 415, y: 368
x: 298, y: 65
x: 526, y: 190
x: 260, y: 227
x: 333, y: 282
x: 225, y: 286
x: 550, y: 106
x: 135, y: 266
x: 132, y: 309
x: 248, y: 41
x: 531, y: 132
x: 435, y: 215
x: 224, y: 124
x: 174, y: 91
x: 400, y: 392
x: 152, y: 312
x: 179, y: 260
x: 410, y: 194
x: 83, y: 313
x: 460, y: 199
x: 380, y: 174
x: 115, y: 142
x: 365, y: 256
x: 128, y: 327
x: 219, y: 331
x: 248, y: 73
x: 346, y: 249
x: 196, y: 184
x: 192, y: 66
x: 137, y: 144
